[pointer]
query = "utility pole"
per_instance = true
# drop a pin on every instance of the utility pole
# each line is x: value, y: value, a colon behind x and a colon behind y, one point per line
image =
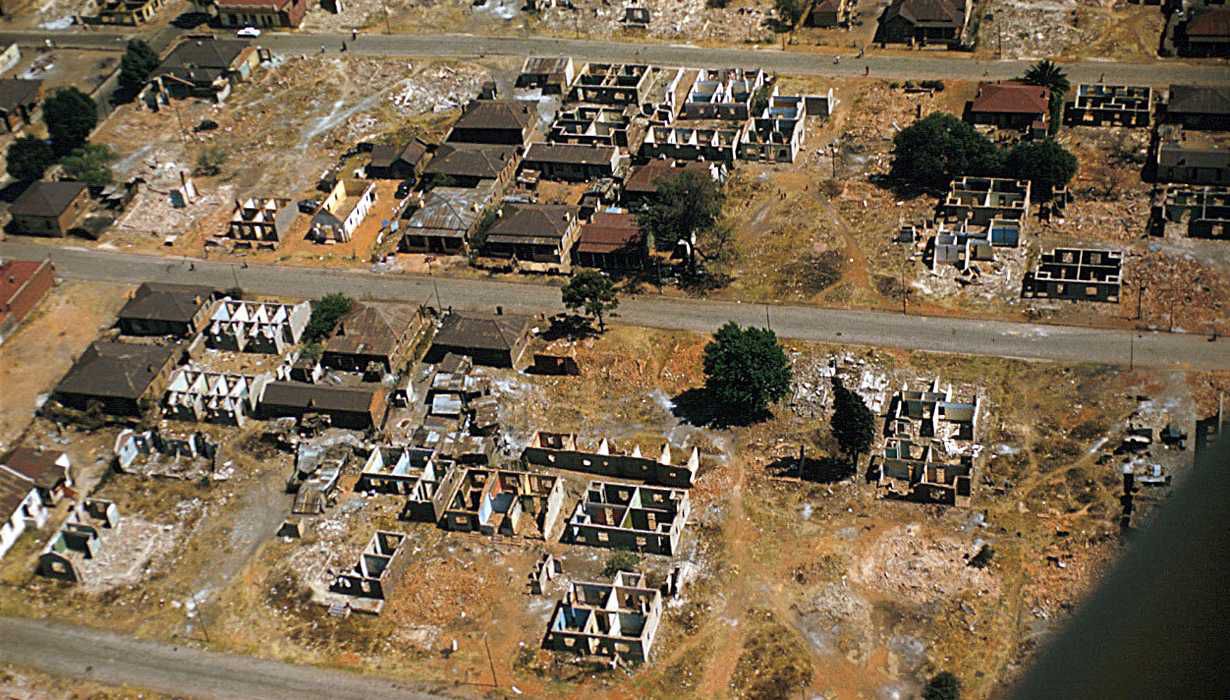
x: 1140, y: 295
x: 439, y: 304
x: 388, y: 28
x: 1132, y: 351
x: 768, y: 324
x: 235, y: 275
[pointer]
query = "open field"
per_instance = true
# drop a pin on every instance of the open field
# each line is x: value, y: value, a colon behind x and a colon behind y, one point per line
x: 818, y: 585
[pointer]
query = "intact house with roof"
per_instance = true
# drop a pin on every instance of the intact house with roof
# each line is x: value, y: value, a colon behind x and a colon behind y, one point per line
x: 612, y: 241
x: 19, y: 100
x: 49, y: 470
x: 1191, y: 157
x: 261, y: 222
x: 158, y: 308
x: 396, y: 162
x: 495, y: 122
x: 925, y: 22
x: 618, y: 620
x: 20, y: 507
x: 1076, y: 274
x: 1199, y: 107
x: 374, y: 335
x: 831, y: 13
x: 202, y: 67
x: 533, y: 237
x: 643, y: 180
x: 260, y: 13
x: 257, y: 326
x: 355, y: 408
x: 1098, y: 104
x: 50, y: 208
x: 495, y: 340
x: 1204, y: 32
x: 126, y: 379
x: 23, y: 284
x: 470, y: 164
x: 573, y: 162
x: 1011, y: 105
x: 443, y: 220
x: 550, y: 74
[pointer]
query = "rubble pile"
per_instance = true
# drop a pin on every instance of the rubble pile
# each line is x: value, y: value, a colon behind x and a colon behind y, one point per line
x: 1033, y: 28
x: 437, y: 89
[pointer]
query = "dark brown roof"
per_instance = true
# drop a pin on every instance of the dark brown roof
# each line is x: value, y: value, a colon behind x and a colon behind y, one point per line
x: 15, y: 92
x: 373, y: 329
x: 608, y: 232
x: 497, y: 114
x: 1211, y: 23
x: 483, y: 331
x: 384, y: 155
x: 157, y: 301
x: 572, y: 153
x: 48, y: 199
x: 13, y: 490
x: 117, y: 370
x: 1014, y: 98
x: 644, y: 179
x: 929, y: 11
x: 1198, y: 99
x: 471, y: 160
x: 533, y: 221
x: 321, y: 397
x: 36, y: 465
x: 202, y: 60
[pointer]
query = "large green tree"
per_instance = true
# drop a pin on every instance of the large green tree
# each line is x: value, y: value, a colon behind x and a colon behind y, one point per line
x: 853, y: 424
x: 745, y: 371
x: 90, y: 164
x: 1046, y: 164
x: 788, y: 12
x: 684, y: 206
x: 71, y: 116
x: 943, y: 686
x: 593, y: 293
x: 135, y: 68
x: 933, y: 150
x: 326, y: 312
x: 28, y: 158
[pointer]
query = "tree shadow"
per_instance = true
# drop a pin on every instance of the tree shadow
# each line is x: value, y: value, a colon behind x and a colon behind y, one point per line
x: 697, y: 407
x: 13, y: 190
x: 824, y: 470
x: 570, y: 327
x: 704, y: 281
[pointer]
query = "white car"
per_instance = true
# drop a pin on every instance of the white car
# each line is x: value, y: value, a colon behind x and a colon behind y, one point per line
x: 248, y: 32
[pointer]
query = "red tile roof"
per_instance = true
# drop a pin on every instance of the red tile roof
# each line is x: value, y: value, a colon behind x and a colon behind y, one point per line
x: 608, y: 232
x: 1015, y: 98
x: 1212, y: 23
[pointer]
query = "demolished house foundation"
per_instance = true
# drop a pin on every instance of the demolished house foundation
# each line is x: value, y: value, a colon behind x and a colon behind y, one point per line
x: 81, y: 537
x: 375, y: 575
x: 618, y: 620
x: 623, y: 516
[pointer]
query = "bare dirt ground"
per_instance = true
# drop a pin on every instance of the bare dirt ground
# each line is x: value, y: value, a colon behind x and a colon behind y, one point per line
x: 813, y: 587
x: 20, y: 683
x: 34, y: 358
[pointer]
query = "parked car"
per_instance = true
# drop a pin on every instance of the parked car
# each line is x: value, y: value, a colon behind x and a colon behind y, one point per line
x: 403, y: 189
x: 309, y: 206
x: 205, y: 125
x: 248, y: 32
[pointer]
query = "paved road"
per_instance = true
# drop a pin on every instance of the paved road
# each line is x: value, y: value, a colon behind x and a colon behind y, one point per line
x: 81, y: 652
x: 964, y: 336
x: 918, y: 66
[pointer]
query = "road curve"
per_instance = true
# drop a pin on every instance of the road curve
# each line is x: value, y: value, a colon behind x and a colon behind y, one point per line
x: 919, y: 65
x: 935, y: 334
x: 81, y: 652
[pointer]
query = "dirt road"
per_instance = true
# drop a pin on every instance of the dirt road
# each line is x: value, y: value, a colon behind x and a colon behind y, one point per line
x: 80, y: 652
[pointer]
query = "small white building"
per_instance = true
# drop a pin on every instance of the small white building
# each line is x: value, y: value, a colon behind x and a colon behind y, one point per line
x: 20, y: 507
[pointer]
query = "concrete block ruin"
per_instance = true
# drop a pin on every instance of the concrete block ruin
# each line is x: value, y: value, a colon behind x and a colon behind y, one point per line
x: 930, y: 446
x: 990, y: 202
x: 623, y: 516
x: 380, y: 567
x: 1076, y: 274
x: 153, y: 453
x: 1199, y: 212
x: 200, y: 396
x: 1097, y: 104
x: 500, y: 502
x: 81, y: 537
x: 777, y: 134
x: 560, y: 450
x: 545, y: 571
x: 618, y: 620
x: 254, y: 326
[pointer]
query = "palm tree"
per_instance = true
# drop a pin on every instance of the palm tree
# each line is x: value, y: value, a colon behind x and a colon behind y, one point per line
x: 1047, y: 74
